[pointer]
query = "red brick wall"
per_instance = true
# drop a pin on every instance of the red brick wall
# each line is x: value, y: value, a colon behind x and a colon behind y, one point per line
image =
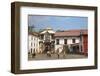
x: 85, y: 44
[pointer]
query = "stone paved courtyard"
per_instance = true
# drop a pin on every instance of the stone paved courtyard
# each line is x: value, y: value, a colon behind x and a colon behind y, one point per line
x: 55, y: 56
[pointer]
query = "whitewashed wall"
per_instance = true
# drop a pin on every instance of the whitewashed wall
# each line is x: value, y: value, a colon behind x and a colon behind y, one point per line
x: 35, y: 44
x: 69, y: 41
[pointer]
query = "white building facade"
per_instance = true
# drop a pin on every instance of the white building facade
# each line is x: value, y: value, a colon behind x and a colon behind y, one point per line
x: 33, y: 44
x: 39, y: 41
x: 49, y: 40
x: 44, y: 36
x: 71, y: 38
x: 61, y: 41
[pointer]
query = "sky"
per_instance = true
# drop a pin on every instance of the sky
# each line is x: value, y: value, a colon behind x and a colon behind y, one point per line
x: 57, y: 22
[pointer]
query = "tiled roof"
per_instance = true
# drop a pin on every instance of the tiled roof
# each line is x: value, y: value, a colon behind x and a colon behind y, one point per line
x: 71, y: 33
x: 33, y: 33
